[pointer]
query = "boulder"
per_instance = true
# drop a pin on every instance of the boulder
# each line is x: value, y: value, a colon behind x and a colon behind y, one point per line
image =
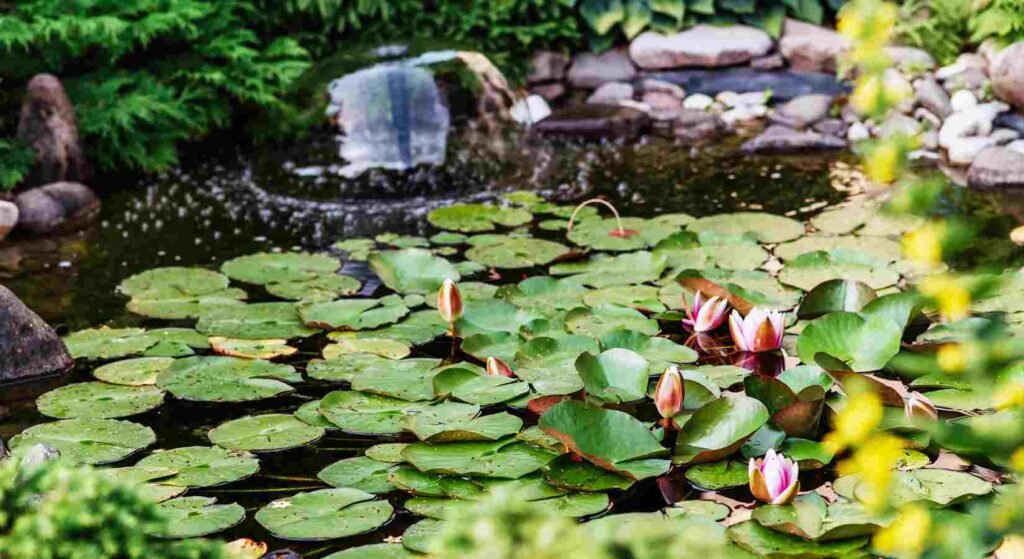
x: 962, y: 151
x: 58, y: 207
x: 832, y: 126
x: 547, y: 66
x: 664, y: 106
x: 47, y: 123
x: 857, y: 132
x: 530, y: 111
x: 1008, y: 75
x: 611, y: 93
x: 594, y: 121
x: 962, y: 100
x: 701, y: 45
x: 971, y: 78
x: 811, y: 48
x: 1014, y: 121
x: 30, y: 348
x: 910, y: 58
x: 997, y: 168
x: 782, y: 139
x: 772, y: 61
x: 975, y: 121
x: 803, y: 111
x: 693, y: 126
x: 551, y: 92
x: 590, y: 70
x: 660, y: 86
x: 930, y: 95
x: 8, y: 218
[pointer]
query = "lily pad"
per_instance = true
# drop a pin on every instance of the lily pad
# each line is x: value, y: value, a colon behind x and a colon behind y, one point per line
x: 549, y: 364
x: 660, y: 352
x: 170, y: 303
x: 604, y: 234
x: 605, y: 271
x: 544, y: 295
x: 99, y: 400
x: 640, y: 297
x: 515, y: 253
x: 133, y: 372
x: 420, y: 536
x: 769, y: 543
x: 359, y: 472
x: 87, y: 441
x: 387, y: 452
x: 452, y: 421
x: 192, y: 517
x: 108, y: 343
x: 598, y: 321
x: 614, y: 376
x: 412, y: 270
x: 189, y: 281
x: 811, y: 518
x: 252, y: 349
x: 507, y: 458
x: 472, y: 387
x: 324, y: 515
x: 203, y: 466
x: 473, y: 218
x: 724, y: 376
x: 835, y: 295
x: 366, y: 414
x: 719, y: 428
x: 257, y: 321
x: 356, y: 249
x: 418, y: 328
x: 375, y: 551
x: 354, y: 314
x: 566, y: 473
x: 715, y: 476
x: 226, y: 379
x: 863, y: 342
x: 809, y: 270
x: 883, y: 250
x: 768, y: 228
x: 384, y: 347
x: 310, y: 413
x: 942, y: 487
x: 326, y: 287
x: 270, y: 432
x: 492, y: 315
x: 176, y: 342
x: 278, y: 267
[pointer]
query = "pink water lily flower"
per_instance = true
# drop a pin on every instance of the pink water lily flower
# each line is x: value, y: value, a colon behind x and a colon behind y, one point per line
x: 669, y: 393
x: 496, y: 367
x: 774, y: 479
x: 706, y: 315
x: 760, y: 330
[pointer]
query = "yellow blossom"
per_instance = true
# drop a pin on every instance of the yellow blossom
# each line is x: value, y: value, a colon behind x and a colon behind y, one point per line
x: 952, y: 358
x: 907, y: 536
x: 884, y: 163
x: 1010, y: 395
x: 924, y: 244
x: 951, y: 297
x: 1017, y: 460
x: 856, y: 421
x: 874, y: 463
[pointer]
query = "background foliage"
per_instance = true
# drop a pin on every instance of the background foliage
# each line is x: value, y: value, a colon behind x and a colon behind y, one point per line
x: 945, y: 28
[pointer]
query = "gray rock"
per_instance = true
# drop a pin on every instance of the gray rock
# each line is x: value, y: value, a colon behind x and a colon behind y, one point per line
x: 594, y: 121
x: 694, y: 126
x: 589, y: 70
x: 857, y: 132
x: 772, y: 61
x: 1014, y: 121
x: 784, y: 85
x: 8, y: 218
x: 1003, y: 136
x: 923, y: 115
x: 997, y: 168
x: 660, y: 86
x: 664, y: 106
x: 802, y: 111
x: 37, y: 455
x: 56, y: 208
x: 910, y: 58
x: 611, y: 93
x: 971, y: 78
x: 782, y: 139
x: 30, y: 348
x: 700, y: 45
x: 898, y: 124
x: 1008, y: 75
x: 551, y: 92
x: 811, y: 48
x: 930, y: 139
x: 47, y: 123
x: 832, y: 127
x: 547, y: 66
x: 963, y: 99
x: 1017, y: 146
x: 930, y: 95
x: 962, y: 151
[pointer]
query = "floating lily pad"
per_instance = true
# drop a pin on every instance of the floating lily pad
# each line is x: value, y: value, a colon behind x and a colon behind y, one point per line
x: 714, y: 511
x: 192, y: 517
x: 203, y: 466
x: 863, y: 342
x: 278, y: 267
x: 472, y: 387
x: 133, y: 372
x: 811, y: 518
x: 715, y: 476
x: 226, y: 379
x: 766, y: 542
x: 354, y: 314
x: 420, y: 536
x: 614, y: 376
x: 415, y: 482
x: 549, y: 364
x: 310, y: 413
x: 768, y: 228
x: 418, y: 328
x: 724, y: 376
x: 573, y: 505
x: 842, y: 220
x: 636, y: 233
x: 252, y: 349
x: 258, y: 321
x: 326, y: 287
x: 366, y: 414
x: 810, y: 455
x: 108, y: 343
x: 87, y: 441
x: 605, y: 271
x: 660, y: 352
x: 452, y: 421
x: 384, y: 347
x: 640, y: 297
x: 808, y: 270
x: 406, y: 379
x: 387, y: 452
x: 176, y: 342
x: 506, y: 458
x: 961, y: 399
x: 566, y: 473
x: 602, y: 319
x: 611, y: 439
x: 517, y: 253
x: 356, y: 249
x: 99, y: 400
x: 374, y: 551
x: 493, y: 315
x: 544, y: 295
x: 943, y: 487
x: 270, y: 432
x: 324, y: 515
x: 719, y: 428
x: 883, y: 250
x: 139, y: 475
x: 473, y: 218
x: 835, y: 295
x: 189, y: 281
x: 359, y: 472
x: 412, y: 270
x: 169, y: 303
x: 402, y: 241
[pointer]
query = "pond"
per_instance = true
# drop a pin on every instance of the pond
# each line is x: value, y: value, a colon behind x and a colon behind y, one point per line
x: 226, y: 205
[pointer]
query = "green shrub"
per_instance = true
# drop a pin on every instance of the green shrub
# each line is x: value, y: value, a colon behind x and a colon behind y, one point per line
x: 999, y: 19
x: 937, y: 26
x: 16, y: 160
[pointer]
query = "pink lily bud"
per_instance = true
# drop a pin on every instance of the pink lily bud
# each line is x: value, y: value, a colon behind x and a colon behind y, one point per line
x: 917, y: 406
x: 760, y: 330
x: 496, y: 367
x: 668, y: 394
x: 449, y: 302
x: 774, y: 479
x: 706, y: 315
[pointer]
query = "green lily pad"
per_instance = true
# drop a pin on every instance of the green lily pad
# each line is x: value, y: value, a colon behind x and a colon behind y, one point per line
x: 835, y: 295
x: 375, y: 551
x: 448, y: 238
x: 226, y: 379
x: 87, y: 441
x: 568, y: 474
x: 883, y: 250
x: 406, y: 379
x: 356, y: 249
x: 715, y: 476
x: 811, y: 269
x: 515, y: 253
x: 961, y: 400
x: 757, y: 287
x: 719, y: 428
x: 660, y: 352
x: 359, y: 472
x: 133, y: 372
x: 324, y: 515
x: 257, y: 321
x: 640, y: 297
x: 544, y: 295
x: 152, y: 492
x: 598, y: 321
x: 714, y: 511
x: 473, y: 218
x: 251, y: 349
x: 724, y: 376
x: 603, y: 234
x: 203, y: 466
x: 842, y: 220
x: 170, y: 303
x: 353, y: 314
x: 99, y: 400
x: 401, y: 241
x: 606, y: 271
x: 549, y: 364
x: 278, y: 267
x: 415, y: 482
x: 270, y: 432
x: 767, y: 228
x: 176, y: 342
x: 492, y: 315
x: 811, y: 518
x: 942, y: 487
x: 418, y: 328
x: 614, y: 376
x: 387, y: 452
x: 108, y: 343
x: 189, y: 281
x: 412, y: 270
x: 366, y: 414
x: 309, y: 413
x: 320, y: 288
x: 610, y: 439
x: 809, y: 455
x: 384, y: 347
x: 452, y: 421
x: 420, y: 536
x: 771, y: 544
x: 472, y: 387
x: 507, y: 458
x: 863, y: 342
x: 192, y: 517
x: 571, y: 505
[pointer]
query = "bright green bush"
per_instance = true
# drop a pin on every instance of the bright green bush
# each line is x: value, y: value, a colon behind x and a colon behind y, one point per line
x: 54, y: 511
x: 16, y: 160
x: 1000, y: 19
x: 937, y: 26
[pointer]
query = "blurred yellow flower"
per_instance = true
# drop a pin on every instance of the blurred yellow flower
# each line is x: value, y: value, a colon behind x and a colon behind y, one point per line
x: 1009, y: 395
x: 907, y: 536
x: 952, y: 358
x: 924, y: 244
x: 884, y: 163
x: 1017, y: 460
x: 856, y: 421
x: 951, y: 297
x: 874, y: 463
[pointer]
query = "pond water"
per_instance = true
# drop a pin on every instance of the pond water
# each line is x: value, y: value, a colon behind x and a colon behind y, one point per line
x: 227, y: 205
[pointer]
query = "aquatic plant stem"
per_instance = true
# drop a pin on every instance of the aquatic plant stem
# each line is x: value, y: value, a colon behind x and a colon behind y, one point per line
x: 618, y: 220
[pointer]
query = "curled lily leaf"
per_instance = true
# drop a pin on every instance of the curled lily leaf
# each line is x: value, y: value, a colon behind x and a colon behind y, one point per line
x: 449, y: 303
x: 706, y: 315
x: 773, y: 479
x: 761, y: 330
x: 917, y: 406
x: 669, y: 393
x: 496, y: 367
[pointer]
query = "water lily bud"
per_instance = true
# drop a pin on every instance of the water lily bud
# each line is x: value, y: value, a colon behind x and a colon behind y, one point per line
x: 707, y: 315
x: 668, y: 395
x: 917, y: 406
x: 774, y: 479
x: 449, y: 302
x: 496, y: 367
x: 761, y: 330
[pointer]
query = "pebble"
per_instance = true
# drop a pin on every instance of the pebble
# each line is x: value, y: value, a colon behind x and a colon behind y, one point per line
x: 963, y: 100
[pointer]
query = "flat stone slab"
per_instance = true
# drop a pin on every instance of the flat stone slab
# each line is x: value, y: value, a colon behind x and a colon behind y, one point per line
x: 997, y: 168
x: 700, y: 45
x: 784, y: 85
x: 782, y: 139
x: 594, y: 121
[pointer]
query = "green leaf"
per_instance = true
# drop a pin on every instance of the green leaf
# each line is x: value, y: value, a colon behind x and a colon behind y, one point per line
x: 835, y: 295
x: 366, y: 414
x: 86, y: 441
x: 316, y: 289
x: 602, y: 15
x: 549, y: 364
x: 133, y: 372
x: 566, y: 473
x: 226, y: 379
x: 811, y: 518
x: 353, y: 314
x: 270, y: 432
x: 359, y: 472
x: 472, y: 387
x: 259, y: 321
x: 660, y: 352
x: 614, y: 376
x: 202, y: 466
x: 374, y: 551
x: 765, y: 542
x: 767, y: 228
x: 472, y: 218
x: 98, y: 400
x: 715, y: 476
x: 719, y: 428
x: 412, y: 270
x: 452, y: 421
x: 513, y: 252
x: 324, y: 515
x: 638, y: 17
x: 279, y: 267
x: 602, y: 319
x: 506, y: 458
x: 605, y: 271
x: 192, y: 517
x: 864, y: 343
x: 108, y: 343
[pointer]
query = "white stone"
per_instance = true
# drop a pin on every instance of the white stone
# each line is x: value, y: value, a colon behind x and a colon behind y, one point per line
x: 976, y: 121
x: 963, y: 100
x: 531, y: 110
x: 963, y: 150
x: 611, y: 93
x: 1004, y: 135
x: 700, y: 45
x: 698, y: 101
x: 1016, y: 145
x: 953, y: 69
x: 742, y: 113
x: 662, y: 86
x: 8, y: 217
x: 857, y: 132
x: 925, y: 115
